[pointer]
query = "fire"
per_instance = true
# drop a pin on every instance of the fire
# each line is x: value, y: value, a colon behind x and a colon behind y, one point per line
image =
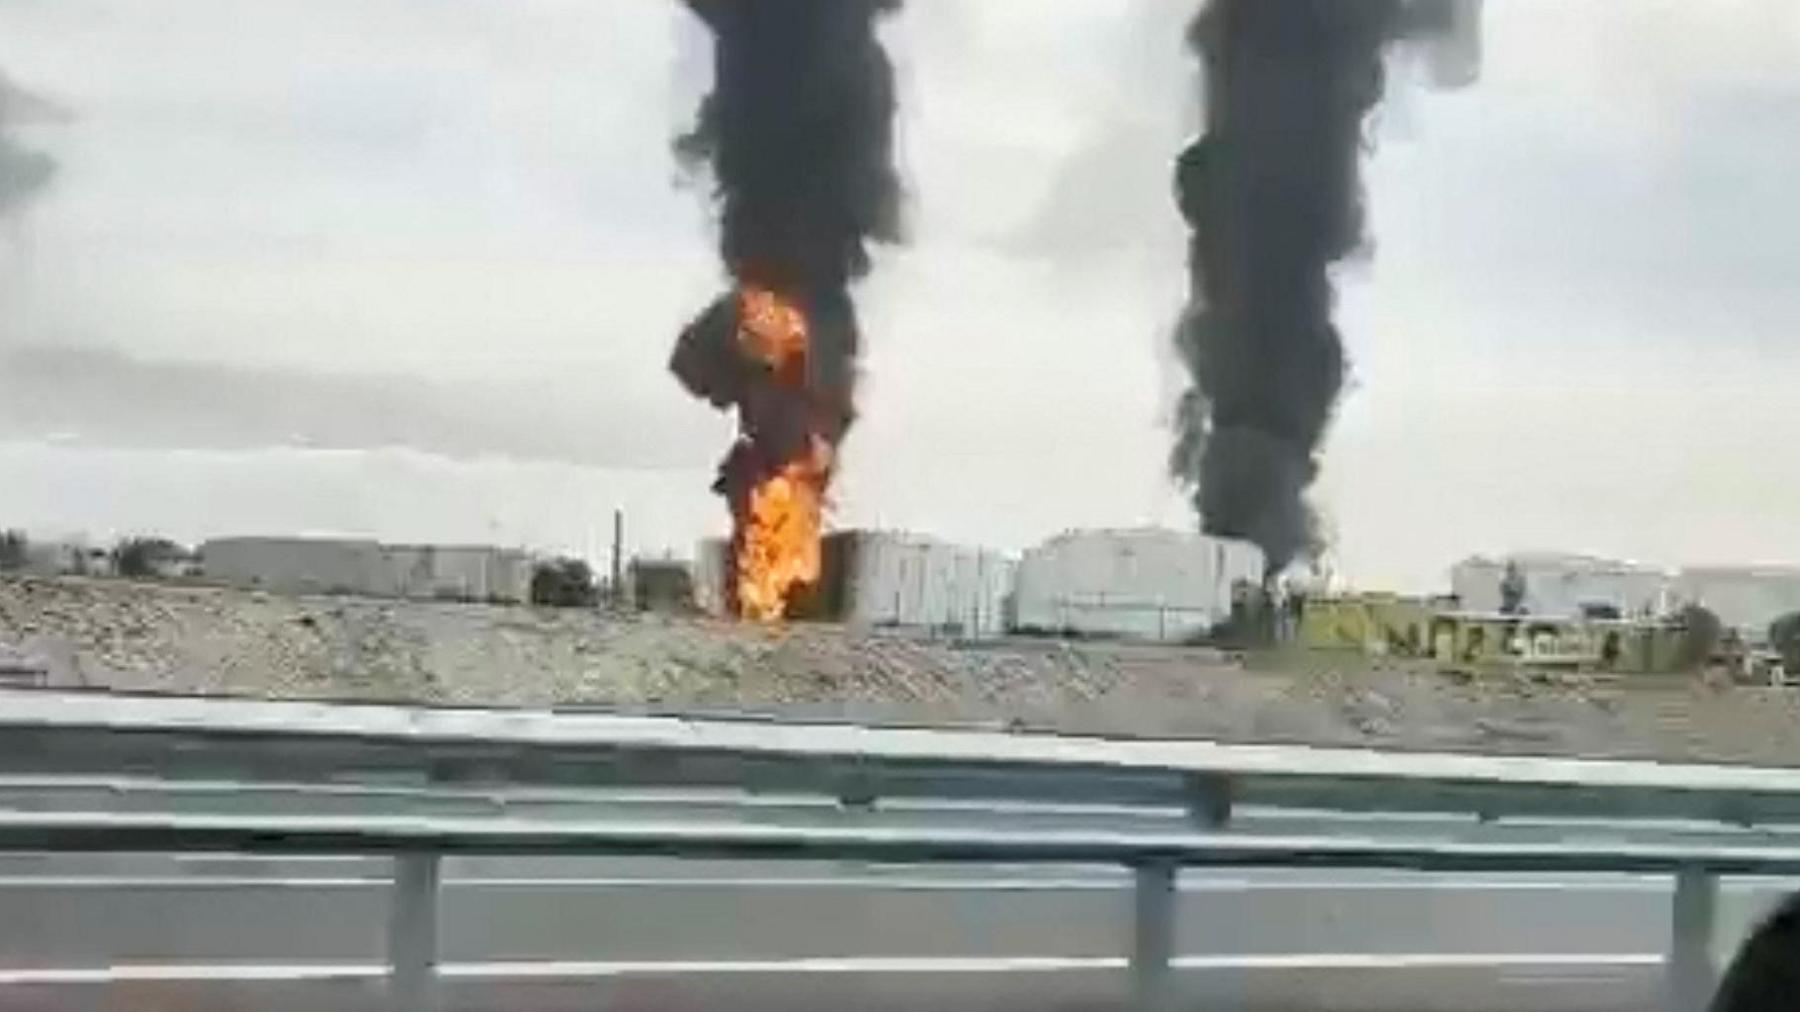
x: 771, y: 329
x: 778, y: 546
x: 779, y: 527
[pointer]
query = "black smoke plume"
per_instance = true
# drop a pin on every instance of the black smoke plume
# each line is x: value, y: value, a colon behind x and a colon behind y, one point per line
x: 23, y: 172
x: 1272, y: 194
x: 798, y: 135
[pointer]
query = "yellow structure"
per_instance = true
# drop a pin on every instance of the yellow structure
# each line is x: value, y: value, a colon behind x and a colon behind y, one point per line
x: 1378, y: 624
x: 1392, y: 625
x: 1587, y: 644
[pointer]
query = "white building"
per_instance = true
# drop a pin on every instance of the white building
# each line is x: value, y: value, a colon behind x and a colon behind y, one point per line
x: 1145, y: 583
x: 366, y: 567
x: 1560, y: 584
x: 1746, y: 598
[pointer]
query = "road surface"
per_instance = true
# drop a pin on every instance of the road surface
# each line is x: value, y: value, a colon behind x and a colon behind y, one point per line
x: 227, y: 932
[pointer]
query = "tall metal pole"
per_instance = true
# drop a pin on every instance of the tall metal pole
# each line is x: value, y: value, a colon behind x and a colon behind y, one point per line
x: 618, y: 559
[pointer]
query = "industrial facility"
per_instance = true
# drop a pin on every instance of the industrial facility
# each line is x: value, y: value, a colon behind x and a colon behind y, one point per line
x: 1393, y: 625
x: 1560, y: 585
x: 366, y: 567
x: 1147, y: 583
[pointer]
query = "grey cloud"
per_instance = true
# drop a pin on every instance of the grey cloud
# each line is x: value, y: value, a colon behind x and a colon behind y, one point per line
x: 99, y: 395
x: 1684, y: 236
x: 435, y: 187
x: 1111, y: 193
x: 23, y: 172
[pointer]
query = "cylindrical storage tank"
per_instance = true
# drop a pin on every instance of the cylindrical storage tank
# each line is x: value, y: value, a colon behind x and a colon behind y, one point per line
x: 710, y: 572
x: 1144, y: 584
x: 900, y: 579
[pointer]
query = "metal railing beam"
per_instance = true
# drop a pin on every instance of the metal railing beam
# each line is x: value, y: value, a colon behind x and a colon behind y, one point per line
x: 505, y: 834
x: 73, y: 732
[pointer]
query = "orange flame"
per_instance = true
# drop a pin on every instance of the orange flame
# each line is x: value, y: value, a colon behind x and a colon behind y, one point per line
x: 771, y: 329
x: 777, y: 543
x: 778, y: 549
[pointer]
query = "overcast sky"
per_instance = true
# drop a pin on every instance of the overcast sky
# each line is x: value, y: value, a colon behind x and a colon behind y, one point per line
x: 411, y: 268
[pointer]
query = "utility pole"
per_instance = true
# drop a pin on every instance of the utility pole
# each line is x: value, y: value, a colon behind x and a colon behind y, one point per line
x: 618, y: 559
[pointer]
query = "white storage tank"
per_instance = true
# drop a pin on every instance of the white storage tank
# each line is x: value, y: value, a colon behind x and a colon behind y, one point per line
x: 886, y: 578
x: 368, y: 568
x: 1746, y: 598
x: 459, y: 572
x: 300, y: 565
x: 1562, y: 584
x: 894, y: 578
x: 709, y: 575
x: 1144, y: 583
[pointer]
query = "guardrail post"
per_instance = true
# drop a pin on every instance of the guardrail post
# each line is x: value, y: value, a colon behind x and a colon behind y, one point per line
x: 1689, y: 970
x: 1209, y: 800
x: 413, y: 932
x: 1153, y: 938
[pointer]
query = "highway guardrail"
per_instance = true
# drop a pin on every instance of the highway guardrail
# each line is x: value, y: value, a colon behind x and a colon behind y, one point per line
x: 85, y: 772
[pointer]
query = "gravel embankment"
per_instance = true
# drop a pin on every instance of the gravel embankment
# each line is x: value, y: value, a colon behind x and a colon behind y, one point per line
x: 161, y: 638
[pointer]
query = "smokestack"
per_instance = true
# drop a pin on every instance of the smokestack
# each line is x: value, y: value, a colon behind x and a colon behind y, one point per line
x: 1272, y: 193
x: 23, y: 172
x: 797, y: 133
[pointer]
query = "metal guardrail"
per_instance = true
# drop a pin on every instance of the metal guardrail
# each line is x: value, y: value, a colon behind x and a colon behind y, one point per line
x: 107, y: 733
x: 116, y: 773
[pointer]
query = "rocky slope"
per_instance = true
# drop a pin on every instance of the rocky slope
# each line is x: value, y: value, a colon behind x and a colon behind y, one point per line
x: 163, y: 638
